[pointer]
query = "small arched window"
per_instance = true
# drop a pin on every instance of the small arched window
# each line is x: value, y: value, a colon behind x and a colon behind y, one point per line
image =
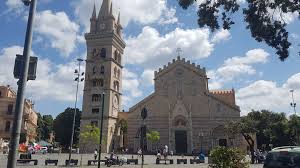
x: 94, y: 82
x: 10, y: 109
x: 118, y: 73
x: 102, y: 70
x: 96, y: 97
x: 7, y: 126
x: 103, y: 53
x: 116, y: 55
x: 116, y: 85
x: 101, y: 82
x: 94, y: 69
x: 115, y: 72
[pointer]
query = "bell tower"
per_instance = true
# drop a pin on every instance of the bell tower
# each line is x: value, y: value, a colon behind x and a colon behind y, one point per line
x: 103, y: 73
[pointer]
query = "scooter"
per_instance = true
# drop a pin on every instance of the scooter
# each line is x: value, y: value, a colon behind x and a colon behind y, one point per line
x: 117, y: 161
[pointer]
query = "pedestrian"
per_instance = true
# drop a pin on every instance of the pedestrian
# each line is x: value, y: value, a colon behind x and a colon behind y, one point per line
x: 139, y: 153
x: 95, y: 154
x: 165, y: 153
x: 158, y: 156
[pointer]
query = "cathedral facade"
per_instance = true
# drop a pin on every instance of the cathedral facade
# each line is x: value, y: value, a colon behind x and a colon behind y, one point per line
x: 182, y: 109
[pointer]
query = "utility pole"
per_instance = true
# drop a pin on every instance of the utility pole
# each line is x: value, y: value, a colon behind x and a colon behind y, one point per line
x: 77, y: 79
x: 101, y: 128
x: 293, y: 104
x: 16, y: 130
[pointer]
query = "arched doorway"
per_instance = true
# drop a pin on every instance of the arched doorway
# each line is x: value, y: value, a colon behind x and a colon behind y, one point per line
x: 220, y: 136
x: 180, y: 134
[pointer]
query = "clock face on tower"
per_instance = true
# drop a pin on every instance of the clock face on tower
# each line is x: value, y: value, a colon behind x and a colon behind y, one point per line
x: 102, y: 26
x: 116, y: 102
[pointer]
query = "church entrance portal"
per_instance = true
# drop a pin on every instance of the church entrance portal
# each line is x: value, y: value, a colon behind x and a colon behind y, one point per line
x: 181, y: 141
x: 223, y: 142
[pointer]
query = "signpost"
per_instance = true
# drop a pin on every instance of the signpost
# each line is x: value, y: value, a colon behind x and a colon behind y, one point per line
x: 144, y: 114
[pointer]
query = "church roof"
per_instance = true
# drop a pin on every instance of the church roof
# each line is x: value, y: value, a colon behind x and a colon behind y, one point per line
x: 222, y: 92
x: 179, y: 60
x: 225, y: 96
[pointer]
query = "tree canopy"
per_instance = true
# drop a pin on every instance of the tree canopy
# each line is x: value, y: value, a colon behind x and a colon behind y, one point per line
x: 271, y: 129
x: 45, y: 126
x: 90, y: 134
x: 264, y: 19
x: 63, y: 127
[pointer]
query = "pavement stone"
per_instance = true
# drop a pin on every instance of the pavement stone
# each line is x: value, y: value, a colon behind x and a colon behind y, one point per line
x: 149, y: 161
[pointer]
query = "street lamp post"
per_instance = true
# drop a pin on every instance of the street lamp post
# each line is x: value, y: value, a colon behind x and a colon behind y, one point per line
x: 101, y: 129
x: 16, y: 130
x: 293, y: 104
x: 78, y: 79
x: 201, y: 135
x: 144, y: 114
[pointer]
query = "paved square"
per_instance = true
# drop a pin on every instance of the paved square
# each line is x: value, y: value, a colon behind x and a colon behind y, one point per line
x: 149, y: 161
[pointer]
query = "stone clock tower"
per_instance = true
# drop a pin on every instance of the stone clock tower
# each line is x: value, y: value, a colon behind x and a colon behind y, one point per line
x: 103, y: 73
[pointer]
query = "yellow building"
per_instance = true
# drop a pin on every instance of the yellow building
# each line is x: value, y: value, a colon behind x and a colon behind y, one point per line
x: 7, y: 109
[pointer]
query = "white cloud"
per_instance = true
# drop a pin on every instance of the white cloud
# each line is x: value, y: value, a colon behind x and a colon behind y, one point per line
x: 198, y: 2
x: 131, y: 84
x: 15, y: 5
x: 237, y: 66
x: 58, y: 29
x: 252, y: 57
x: 140, y: 11
x: 268, y: 95
x: 287, y: 18
x: 128, y: 74
x: 53, y: 81
x: 151, y: 50
x: 221, y: 35
x: 7, y: 61
x: 147, y: 77
x: 169, y: 17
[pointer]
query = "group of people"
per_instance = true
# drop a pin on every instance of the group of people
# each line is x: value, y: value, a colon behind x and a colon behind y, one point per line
x: 165, y: 152
x: 112, y: 156
x: 260, y: 156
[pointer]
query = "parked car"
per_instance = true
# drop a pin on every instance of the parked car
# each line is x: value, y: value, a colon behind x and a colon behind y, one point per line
x: 43, y: 150
x: 283, y: 157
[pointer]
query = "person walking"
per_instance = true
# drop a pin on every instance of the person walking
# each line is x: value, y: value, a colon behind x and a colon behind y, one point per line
x: 95, y: 154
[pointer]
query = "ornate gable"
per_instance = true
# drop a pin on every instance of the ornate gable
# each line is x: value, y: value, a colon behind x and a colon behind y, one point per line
x: 180, y: 61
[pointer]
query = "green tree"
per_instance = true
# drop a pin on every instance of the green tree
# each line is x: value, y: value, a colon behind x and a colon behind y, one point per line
x: 89, y: 135
x: 223, y: 157
x: 45, y: 126
x: 269, y: 127
x: 246, y: 127
x: 39, y: 130
x: 22, y: 138
x: 153, y: 137
x: 294, y: 129
x: 263, y: 19
x: 63, y: 127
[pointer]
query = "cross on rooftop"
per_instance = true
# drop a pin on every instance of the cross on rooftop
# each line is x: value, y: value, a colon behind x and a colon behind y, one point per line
x: 179, y: 51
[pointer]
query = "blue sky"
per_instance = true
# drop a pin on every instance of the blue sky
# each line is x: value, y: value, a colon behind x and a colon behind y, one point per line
x: 153, y: 30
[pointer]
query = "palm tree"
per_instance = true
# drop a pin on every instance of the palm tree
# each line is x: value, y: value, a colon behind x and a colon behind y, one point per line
x: 153, y: 137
